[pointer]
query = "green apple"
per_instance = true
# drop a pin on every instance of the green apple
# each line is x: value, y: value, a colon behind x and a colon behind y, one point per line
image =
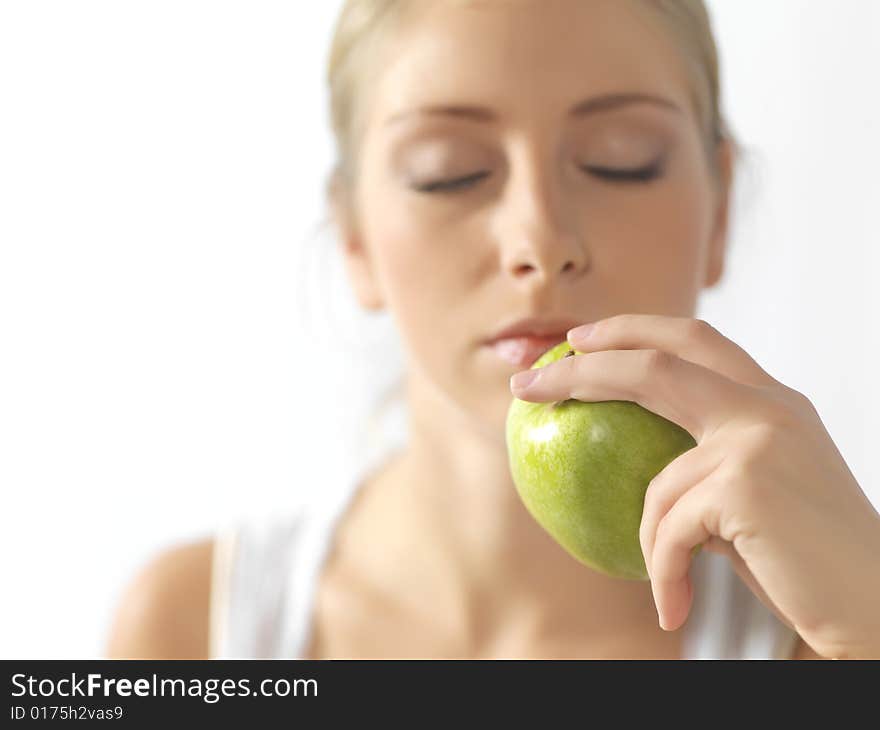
x: 582, y: 470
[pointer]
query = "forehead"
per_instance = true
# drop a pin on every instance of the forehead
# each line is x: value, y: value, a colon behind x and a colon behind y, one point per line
x: 523, y: 57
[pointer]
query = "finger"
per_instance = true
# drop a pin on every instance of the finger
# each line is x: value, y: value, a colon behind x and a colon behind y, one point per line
x: 691, y: 339
x: 681, y: 474
x: 692, y: 520
x: 696, y: 398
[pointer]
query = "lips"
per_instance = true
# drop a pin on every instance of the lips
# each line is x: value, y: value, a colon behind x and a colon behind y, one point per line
x: 523, y: 350
x: 524, y: 340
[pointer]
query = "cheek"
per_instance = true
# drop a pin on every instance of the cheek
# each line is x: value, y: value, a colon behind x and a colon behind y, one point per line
x: 431, y: 277
x: 654, y: 243
x: 419, y: 272
x: 426, y: 276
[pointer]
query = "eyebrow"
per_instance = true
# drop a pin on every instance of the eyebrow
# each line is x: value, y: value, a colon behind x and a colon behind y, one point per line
x: 595, y: 104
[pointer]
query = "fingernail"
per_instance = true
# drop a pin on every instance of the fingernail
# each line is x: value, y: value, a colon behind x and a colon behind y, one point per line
x: 523, y: 379
x: 580, y: 333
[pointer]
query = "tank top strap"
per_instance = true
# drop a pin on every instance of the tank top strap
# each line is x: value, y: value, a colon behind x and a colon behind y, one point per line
x: 264, y: 575
x: 727, y: 621
x: 250, y: 591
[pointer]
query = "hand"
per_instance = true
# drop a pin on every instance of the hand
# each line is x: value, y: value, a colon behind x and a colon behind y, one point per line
x: 765, y: 485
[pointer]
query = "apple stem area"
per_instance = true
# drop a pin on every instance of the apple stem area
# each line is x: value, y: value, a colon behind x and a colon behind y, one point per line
x: 560, y: 402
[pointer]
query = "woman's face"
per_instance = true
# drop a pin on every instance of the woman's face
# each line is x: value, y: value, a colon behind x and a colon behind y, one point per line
x: 528, y: 159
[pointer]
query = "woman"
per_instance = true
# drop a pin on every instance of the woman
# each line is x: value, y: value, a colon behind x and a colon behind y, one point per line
x: 509, y: 171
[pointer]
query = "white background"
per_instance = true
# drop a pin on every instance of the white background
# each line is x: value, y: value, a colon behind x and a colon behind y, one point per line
x: 162, y: 167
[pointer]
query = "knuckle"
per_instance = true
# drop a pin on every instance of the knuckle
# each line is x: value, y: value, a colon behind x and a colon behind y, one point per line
x: 609, y: 325
x: 789, y: 407
x: 571, y: 366
x: 758, y: 440
x: 651, y: 492
x: 643, y: 537
x: 656, y: 361
x: 654, y: 493
x: 654, y: 490
x: 739, y: 487
x: 798, y: 401
x: 663, y: 531
x: 622, y: 319
x: 745, y: 476
x: 699, y: 329
x: 653, y: 367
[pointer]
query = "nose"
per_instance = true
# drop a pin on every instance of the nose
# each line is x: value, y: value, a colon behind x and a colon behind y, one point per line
x: 538, y: 233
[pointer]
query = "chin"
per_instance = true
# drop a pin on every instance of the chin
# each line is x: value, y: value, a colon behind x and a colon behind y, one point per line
x: 491, y: 408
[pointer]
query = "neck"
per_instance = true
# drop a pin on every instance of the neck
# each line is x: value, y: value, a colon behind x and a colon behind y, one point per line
x: 455, y: 481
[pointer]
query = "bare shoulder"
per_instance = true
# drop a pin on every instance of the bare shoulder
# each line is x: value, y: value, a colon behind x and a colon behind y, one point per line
x: 164, y: 611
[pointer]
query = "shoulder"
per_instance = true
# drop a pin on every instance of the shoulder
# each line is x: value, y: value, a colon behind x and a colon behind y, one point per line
x: 164, y: 611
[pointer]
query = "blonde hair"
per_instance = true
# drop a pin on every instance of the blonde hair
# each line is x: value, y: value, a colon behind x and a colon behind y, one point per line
x: 363, y: 24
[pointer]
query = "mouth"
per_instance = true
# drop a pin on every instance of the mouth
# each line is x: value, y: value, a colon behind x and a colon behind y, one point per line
x: 522, y: 350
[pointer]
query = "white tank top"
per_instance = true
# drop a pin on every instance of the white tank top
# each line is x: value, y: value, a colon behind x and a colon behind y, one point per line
x: 265, y: 575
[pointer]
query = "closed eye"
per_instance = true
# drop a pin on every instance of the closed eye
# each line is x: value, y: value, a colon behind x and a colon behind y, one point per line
x: 451, y: 185
x: 613, y: 174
